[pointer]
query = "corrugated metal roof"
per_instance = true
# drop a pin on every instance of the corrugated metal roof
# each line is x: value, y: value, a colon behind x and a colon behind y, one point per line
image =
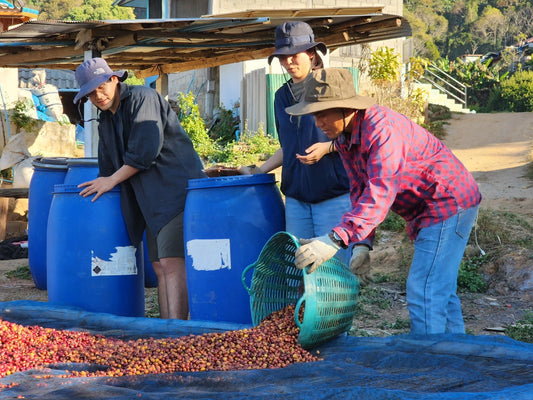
x: 62, y: 79
x: 11, y: 15
x: 150, y: 47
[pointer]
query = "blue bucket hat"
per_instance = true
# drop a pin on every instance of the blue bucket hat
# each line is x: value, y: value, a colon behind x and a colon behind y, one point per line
x: 92, y: 73
x: 294, y: 37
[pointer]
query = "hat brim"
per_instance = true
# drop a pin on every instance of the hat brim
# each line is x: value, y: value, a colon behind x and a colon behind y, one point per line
x: 358, y: 102
x: 291, y: 50
x: 94, y: 83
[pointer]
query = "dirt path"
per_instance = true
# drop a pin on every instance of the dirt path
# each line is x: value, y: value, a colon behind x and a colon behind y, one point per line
x: 496, y: 148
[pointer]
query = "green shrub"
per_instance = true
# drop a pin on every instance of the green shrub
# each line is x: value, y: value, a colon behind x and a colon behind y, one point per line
x: 399, y: 324
x: 20, y: 116
x: 496, y: 229
x: 249, y: 149
x: 221, y: 147
x: 523, y: 329
x: 222, y: 129
x: 20, y: 273
x: 517, y: 92
x: 470, y: 279
x: 194, y: 126
x: 479, y: 77
x: 494, y: 101
x: 133, y: 80
x: 393, y: 222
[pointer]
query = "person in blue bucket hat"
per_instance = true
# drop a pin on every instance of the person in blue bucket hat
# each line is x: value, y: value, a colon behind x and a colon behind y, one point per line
x: 143, y: 149
x: 313, y: 178
x: 94, y: 73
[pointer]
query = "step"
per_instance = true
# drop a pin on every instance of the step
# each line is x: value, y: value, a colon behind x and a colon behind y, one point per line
x: 435, y: 96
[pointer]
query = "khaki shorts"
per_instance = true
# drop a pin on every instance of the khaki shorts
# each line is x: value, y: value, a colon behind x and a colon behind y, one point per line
x: 169, y: 241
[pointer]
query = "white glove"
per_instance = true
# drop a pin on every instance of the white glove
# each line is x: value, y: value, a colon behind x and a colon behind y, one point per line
x: 360, y: 263
x: 314, y: 252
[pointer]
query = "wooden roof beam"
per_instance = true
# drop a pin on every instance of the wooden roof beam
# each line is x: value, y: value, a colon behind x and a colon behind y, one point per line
x: 205, y: 63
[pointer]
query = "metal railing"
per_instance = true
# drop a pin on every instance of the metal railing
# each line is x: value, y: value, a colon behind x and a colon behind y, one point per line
x: 445, y: 83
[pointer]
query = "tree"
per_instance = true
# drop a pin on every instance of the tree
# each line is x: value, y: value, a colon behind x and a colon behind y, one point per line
x: 80, y: 10
x: 521, y: 23
x: 99, y: 10
x: 450, y: 28
x: 492, y: 25
x: 423, y: 41
x: 53, y: 9
x: 384, y: 71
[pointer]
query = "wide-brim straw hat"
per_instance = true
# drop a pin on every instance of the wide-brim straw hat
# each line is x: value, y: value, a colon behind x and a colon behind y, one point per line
x: 329, y: 88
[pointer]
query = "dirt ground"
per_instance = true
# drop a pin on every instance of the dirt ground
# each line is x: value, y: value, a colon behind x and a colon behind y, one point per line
x: 496, y: 148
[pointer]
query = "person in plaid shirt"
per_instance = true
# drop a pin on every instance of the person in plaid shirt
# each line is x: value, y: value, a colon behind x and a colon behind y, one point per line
x: 395, y: 164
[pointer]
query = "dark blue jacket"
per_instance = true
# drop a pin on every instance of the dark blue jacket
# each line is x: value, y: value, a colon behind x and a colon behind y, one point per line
x: 145, y: 133
x: 323, y: 180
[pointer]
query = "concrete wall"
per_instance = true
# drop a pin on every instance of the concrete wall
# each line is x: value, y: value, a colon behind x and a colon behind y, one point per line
x: 9, y: 95
x: 201, y: 82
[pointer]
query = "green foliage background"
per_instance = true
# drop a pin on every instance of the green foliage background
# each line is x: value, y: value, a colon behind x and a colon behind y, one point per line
x: 80, y: 10
x: 223, y: 147
x: 449, y: 28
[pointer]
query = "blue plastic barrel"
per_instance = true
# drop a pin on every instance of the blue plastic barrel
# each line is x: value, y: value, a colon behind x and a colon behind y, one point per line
x: 92, y: 263
x: 81, y: 170
x: 227, y: 221
x: 47, y: 172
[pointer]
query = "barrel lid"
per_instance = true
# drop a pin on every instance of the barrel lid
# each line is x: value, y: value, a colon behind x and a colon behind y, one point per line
x: 237, y: 180
x: 62, y: 188
x: 50, y: 162
x: 83, y: 161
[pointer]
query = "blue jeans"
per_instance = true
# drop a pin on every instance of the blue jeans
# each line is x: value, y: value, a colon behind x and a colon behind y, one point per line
x: 432, y: 300
x: 308, y: 220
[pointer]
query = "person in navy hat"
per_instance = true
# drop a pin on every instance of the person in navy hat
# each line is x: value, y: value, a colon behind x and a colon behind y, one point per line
x: 143, y: 149
x: 313, y: 178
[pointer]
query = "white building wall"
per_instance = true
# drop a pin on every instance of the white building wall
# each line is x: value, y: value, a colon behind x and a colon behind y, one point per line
x: 8, y: 97
x: 230, y: 84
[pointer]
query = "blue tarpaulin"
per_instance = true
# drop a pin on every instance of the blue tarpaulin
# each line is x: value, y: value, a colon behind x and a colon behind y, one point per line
x: 396, y: 367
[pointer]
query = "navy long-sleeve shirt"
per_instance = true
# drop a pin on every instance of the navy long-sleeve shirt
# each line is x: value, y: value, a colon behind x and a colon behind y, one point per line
x: 314, y: 183
x: 145, y: 133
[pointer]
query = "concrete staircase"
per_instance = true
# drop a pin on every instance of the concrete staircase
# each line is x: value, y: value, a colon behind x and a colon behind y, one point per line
x: 435, y: 96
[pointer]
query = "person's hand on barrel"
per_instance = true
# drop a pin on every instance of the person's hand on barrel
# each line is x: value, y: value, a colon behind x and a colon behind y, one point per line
x: 104, y: 184
x: 314, y: 252
x: 97, y: 186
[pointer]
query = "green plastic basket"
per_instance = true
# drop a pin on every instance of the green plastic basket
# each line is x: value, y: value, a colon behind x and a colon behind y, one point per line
x: 330, y: 295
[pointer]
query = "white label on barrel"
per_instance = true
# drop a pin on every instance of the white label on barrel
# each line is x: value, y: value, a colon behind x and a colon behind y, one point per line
x: 209, y: 254
x: 122, y: 262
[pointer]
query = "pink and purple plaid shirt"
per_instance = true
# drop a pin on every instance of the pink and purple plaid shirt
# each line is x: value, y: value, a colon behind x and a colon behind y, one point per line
x: 393, y: 163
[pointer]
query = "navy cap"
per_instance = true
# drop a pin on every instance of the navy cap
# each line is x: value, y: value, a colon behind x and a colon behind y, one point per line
x: 295, y: 37
x: 92, y: 73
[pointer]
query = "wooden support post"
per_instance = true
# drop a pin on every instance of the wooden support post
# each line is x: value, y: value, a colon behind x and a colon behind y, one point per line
x: 4, y: 206
x: 5, y: 195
